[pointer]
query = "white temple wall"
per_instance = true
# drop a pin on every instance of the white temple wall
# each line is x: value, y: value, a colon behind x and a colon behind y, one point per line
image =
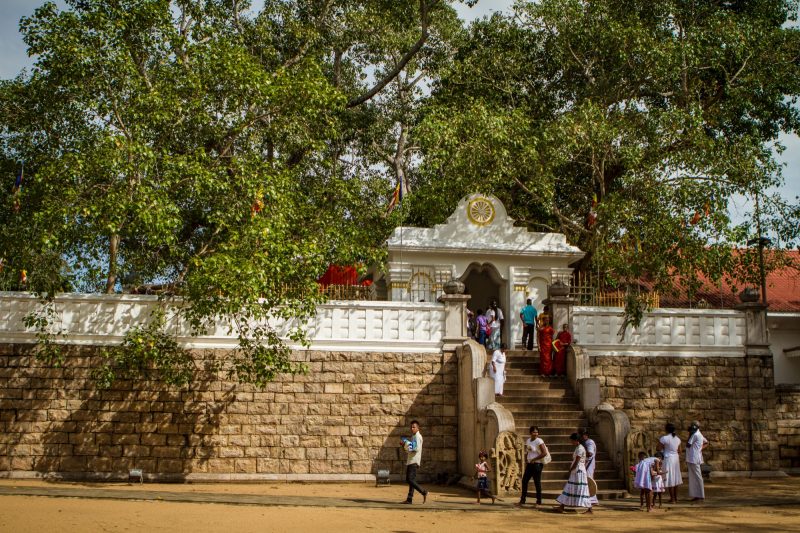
x: 784, y: 340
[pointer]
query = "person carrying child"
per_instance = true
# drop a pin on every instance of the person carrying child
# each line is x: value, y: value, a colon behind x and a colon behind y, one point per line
x: 643, y: 481
x: 481, y: 472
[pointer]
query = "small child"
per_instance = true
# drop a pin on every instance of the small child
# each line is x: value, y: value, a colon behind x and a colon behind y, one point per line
x: 658, y: 474
x: 644, y: 481
x: 481, y: 469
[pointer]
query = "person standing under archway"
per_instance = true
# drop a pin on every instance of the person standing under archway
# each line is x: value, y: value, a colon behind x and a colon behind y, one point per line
x: 528, y: 317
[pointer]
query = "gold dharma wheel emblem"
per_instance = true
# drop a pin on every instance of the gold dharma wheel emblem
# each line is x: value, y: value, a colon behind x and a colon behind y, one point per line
x: 480, y: 211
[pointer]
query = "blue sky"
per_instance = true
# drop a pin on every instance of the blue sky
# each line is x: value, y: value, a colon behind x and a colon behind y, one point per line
x: 14, y: 58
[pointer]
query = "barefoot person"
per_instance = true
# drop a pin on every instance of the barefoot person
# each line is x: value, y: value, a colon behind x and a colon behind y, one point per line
x: 413, y: 447
x: 670, y: 445
x: 497, y: 369
x: 694, y: 458
x: 528, y: 318
x: 545, y: 346
x: 536, y: 451
x: 482, y: 470
x: 576, y: 490
x: 591, y: 451
x: 562, y: 344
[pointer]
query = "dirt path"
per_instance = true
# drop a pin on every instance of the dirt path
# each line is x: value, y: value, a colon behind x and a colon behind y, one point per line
x: 735, y: 505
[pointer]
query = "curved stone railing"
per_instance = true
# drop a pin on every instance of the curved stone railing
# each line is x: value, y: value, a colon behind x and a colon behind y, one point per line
x: 480, y: 418
x: 610, y: 425
x: 103, y: 319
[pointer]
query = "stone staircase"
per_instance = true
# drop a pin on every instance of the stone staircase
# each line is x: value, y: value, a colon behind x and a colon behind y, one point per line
x: 551, y: 404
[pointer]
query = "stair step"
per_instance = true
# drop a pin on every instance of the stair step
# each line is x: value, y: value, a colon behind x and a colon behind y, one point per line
x: 550, y: 413
x: 551, y: 393
x: 519, y: 384
x: 603, y: 495
x: 550, y: 404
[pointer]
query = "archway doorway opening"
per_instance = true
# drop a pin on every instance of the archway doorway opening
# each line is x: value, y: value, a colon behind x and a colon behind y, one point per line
x: 483, y: 283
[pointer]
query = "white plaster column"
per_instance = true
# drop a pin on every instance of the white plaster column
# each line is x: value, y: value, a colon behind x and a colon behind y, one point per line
x: 455, y: 320
x: 398, y: 281
x: 518, y: 294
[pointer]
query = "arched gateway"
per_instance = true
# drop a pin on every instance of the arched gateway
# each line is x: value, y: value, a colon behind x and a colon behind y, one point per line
x: 480, y: 246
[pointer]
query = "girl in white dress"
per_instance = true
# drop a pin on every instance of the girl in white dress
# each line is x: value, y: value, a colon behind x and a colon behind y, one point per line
x: 643, y: 481
x: 670, y: 445
x: 497, y: 370
x: 657, y: 471
x: 576, y: 491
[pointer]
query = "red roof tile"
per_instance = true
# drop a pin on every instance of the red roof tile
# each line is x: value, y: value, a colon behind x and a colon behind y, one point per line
x: 783, y: 291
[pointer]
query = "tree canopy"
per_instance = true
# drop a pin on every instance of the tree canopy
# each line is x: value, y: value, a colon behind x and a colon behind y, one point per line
x: 230, y: 154
x: 212, y: 150
x: 629, y: 126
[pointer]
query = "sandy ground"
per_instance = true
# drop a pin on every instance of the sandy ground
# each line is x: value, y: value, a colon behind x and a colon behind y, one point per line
x: 733, y: 505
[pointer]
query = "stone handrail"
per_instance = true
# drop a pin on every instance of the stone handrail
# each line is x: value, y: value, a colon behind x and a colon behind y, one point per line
x: 611, y: 426
x: 103, y: 319
x: 480, y: 418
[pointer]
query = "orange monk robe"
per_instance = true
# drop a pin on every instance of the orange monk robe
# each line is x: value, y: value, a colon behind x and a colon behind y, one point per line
x: 546, y: 350
x: 564, y: 339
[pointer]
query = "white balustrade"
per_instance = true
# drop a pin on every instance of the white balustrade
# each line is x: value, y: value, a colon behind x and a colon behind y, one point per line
x: 340, y: 326
x: 668, y: 332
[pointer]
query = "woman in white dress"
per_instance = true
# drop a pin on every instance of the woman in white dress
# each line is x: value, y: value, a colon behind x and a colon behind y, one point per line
x: 493, y: 342
x: 576, y: 491
x: 497, y: 370
x: 670, y: 445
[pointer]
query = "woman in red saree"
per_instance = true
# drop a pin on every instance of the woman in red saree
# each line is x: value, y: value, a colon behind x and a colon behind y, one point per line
x: 545, y: 346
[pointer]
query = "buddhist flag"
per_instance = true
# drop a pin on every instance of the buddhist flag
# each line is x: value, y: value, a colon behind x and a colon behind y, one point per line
x: 397, y: 196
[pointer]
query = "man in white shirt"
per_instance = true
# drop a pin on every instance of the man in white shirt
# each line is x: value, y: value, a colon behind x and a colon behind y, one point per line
x: 694, y: 458
x: 413, y: 448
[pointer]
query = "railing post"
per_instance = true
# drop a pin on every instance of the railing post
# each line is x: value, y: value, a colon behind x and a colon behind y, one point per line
x: 560, y: 303
x: 455, y: 315
x: 761, y: 398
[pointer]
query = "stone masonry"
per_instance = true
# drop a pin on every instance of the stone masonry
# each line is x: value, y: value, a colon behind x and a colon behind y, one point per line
x: 714, y: 390
x: 788, y: 412
x: 345, y: 417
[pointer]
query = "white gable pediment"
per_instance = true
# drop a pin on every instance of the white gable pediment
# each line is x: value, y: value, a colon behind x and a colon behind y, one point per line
x: 480, y: 224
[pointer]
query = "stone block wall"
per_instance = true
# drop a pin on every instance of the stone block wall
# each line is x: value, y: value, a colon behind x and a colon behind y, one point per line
x: 720, y: 392
x: 344, y: 418
x: 788, y: 413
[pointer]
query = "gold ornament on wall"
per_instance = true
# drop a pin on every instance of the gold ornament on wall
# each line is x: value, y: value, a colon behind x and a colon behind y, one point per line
x: 480, y: 211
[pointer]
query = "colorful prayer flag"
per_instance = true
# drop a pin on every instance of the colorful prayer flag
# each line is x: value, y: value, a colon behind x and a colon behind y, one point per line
x: 397, y: 197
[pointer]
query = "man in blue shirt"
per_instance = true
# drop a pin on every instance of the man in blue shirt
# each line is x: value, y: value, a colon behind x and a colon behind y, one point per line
x: 528, y: 317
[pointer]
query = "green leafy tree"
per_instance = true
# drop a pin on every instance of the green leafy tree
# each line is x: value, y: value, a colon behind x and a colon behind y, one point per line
x: 629, y: 126
x: 199, y: 148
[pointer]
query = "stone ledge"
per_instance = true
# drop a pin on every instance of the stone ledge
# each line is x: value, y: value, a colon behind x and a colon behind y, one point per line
x: 191, y: 478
